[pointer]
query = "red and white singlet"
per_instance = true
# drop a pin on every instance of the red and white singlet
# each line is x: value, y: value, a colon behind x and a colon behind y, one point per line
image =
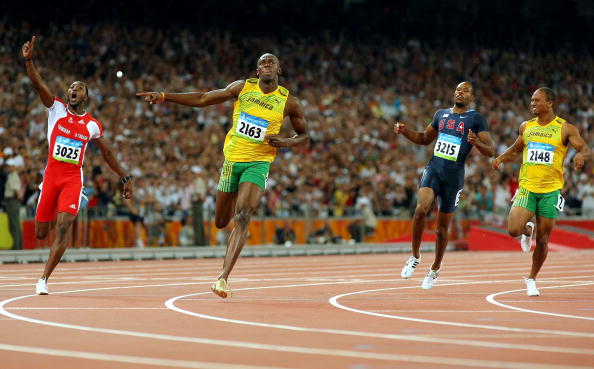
x: 68, y: 135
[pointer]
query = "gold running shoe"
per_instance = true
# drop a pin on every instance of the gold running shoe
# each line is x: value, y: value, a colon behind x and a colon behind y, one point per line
x: 221, y: 289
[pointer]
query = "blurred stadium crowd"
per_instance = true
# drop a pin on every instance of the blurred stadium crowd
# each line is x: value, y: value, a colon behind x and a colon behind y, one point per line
x: 352, y: 91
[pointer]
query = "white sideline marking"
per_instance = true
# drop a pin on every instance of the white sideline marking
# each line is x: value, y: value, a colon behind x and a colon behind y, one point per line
x: 491, y: 299
x: 127, y: 358
x: 282, y: 348
x: 85, y: 308
x: 292, y: 349
x: 403, y: 337
x: 334, y: 302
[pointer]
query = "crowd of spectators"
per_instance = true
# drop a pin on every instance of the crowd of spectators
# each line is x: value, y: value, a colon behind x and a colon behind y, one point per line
x: 352, y: 92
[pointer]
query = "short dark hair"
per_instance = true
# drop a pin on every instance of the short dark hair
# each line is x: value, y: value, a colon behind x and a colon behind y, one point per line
x: 551, y: 96
x: 471, y: 85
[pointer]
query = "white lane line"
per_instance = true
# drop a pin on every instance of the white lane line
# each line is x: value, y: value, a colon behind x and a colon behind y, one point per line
x: 296, y: 349
x: 491, y: 299
x: 334, y: 301
x: 32, y: 283
x: 403, y: 337
x: 85, y: 308
x: 474, y: 363
x: 127, y: 358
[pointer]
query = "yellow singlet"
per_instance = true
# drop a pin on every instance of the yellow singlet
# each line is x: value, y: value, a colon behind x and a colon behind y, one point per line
x: 255, y: 114
x: 542, y: 163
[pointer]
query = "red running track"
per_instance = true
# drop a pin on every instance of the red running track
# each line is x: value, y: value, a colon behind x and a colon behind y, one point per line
x: 350, y: 312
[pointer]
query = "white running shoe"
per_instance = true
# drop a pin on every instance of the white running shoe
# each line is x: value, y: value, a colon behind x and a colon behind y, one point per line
x: 409, y: 268
x: 430, y: 279
x: 531, y: 289
x: 41, y: 287
x: 526, y: 241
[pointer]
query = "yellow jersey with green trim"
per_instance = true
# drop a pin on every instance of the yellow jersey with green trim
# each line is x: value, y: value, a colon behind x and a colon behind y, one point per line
x: 255, y: 115
x: 544, y: 152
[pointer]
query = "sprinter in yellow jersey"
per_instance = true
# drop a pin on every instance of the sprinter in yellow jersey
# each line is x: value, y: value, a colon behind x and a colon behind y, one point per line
x: 250, y: 146
x: 543, y: 143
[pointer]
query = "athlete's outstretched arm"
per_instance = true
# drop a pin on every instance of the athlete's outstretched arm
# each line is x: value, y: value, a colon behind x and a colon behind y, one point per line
x: 512, y: 152
x: 575, y: 139
x: 482, y: 142
x: 295, y: 112
x: 47, y: 98
x: 196, y: 99
x: 421, y: 138
x: 115, y: 166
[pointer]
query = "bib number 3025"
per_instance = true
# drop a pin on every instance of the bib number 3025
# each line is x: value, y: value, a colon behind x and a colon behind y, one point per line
x: 67, y: 150
x: 251, y: 128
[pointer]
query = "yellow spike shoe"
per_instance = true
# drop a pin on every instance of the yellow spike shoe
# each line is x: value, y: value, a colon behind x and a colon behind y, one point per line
x: 221, y: 289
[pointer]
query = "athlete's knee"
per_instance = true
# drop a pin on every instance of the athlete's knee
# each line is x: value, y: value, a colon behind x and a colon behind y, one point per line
x: 242, y: 218
x: 62, y: 228
x: 421, y: 211
x: 441, y: 232
x: 222, y: 222
x: 41, y: 234
x: 515, y: 230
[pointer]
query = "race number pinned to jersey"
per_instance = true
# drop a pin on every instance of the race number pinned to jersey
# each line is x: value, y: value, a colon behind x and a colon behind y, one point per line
x: 447, y: 146
x: 251, y: 128
x: 540, y: 153
x: 67, y: 150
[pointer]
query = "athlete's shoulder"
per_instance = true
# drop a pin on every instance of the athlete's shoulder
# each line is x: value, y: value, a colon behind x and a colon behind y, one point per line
x: 58, y: 103
x: 560, y: 120
x: 283, y: 91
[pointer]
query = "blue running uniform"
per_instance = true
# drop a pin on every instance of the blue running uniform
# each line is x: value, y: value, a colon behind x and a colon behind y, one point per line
x: 445, y: 171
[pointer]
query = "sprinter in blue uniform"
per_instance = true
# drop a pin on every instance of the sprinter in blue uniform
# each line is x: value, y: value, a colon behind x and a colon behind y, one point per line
x: 457, y: 130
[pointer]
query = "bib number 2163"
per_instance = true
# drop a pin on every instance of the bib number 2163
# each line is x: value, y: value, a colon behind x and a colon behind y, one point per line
x: 251, y: 128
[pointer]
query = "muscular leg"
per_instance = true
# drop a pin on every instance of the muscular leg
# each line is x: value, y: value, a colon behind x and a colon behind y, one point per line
x: 544, y: 226
x: 63, y: 225
x: 42, y: 229
x: 248, y: 200
x: 225, y: 208
x: 441, y: 241
x: 425, y: 198
x: 516, y: 222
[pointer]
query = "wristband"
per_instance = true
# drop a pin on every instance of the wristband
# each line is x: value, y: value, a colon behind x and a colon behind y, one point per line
x: 162, y: 96
x: 125, y: 179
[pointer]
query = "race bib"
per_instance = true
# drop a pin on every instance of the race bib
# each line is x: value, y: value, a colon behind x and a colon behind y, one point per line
x: 540, y: 153
x: 67, y: 150
x: 447, y: 146
x: 251, y: 128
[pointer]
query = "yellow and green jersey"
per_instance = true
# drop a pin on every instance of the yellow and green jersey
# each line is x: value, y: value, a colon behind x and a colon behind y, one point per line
x: 255, y: 115
x: 544, y: 152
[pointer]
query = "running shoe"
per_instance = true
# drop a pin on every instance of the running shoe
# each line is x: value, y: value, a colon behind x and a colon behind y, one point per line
x: 430, y: 279
x: 409, y: 268
x: 531, y: 289
x: 221, y: 289
x: 526, y: 241
x: 41, y: 287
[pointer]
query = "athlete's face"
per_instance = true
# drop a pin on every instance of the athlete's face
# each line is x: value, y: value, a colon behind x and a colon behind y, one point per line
x: 77, y: 93
x: 539, y: 103
x: 463, y: 95
x: 268, y: 67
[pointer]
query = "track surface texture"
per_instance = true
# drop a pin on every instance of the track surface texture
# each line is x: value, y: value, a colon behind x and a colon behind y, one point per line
x: 350, y: 311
